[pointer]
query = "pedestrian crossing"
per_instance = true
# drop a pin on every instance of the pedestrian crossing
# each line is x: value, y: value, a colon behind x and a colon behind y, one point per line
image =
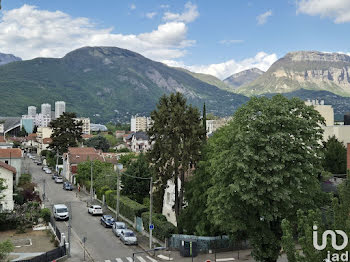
x: 136, y: 259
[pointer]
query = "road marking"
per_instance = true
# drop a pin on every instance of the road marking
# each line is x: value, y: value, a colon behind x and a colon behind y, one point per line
x: 225, y: 259
x: 165, y: 257
x: 141, y: 259
x: 153, y: 260
x: 119, y: 260
x: 129, y: 259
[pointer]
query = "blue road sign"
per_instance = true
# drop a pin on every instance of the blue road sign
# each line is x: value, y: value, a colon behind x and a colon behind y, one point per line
x: 151, y: 226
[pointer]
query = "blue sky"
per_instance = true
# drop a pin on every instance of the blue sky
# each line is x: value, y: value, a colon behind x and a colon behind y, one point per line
x: 215, y: 37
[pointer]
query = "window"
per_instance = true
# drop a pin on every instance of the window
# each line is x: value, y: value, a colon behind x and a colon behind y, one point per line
x: 6, y: 162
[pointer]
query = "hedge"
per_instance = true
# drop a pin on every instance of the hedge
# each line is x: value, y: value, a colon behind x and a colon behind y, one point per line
x: 162, y: 228
x: 127, y: 207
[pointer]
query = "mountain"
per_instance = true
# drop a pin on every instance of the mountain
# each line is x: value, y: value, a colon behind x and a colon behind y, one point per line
x: 209, y: 79
x: 243, y: 77
x: 106, y: 84
x: 8, y: 58
x: 304, y: 69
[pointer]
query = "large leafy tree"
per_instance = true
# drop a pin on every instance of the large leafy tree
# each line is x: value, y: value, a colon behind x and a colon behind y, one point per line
x: 136, y: 188
x: 264, y: 166
x: 66, y: 132
x: 98, y: 142
x: 334, y: 156
x: 176, y: 136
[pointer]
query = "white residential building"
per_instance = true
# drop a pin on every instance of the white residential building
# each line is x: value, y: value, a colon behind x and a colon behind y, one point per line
x: 46, y: 109
x: 60, y: 108
x: 42, y: 120
x: 86, y: 124
x: 31, y: 111
x: 213, y: 125
x: 8, y: 173
x: 140, y: 123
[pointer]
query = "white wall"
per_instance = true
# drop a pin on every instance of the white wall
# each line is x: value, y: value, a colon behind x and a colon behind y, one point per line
x: 7, y: 201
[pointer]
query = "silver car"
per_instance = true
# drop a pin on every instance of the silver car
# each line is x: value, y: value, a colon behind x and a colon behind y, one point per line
x: 128, y: 237
x: 118, y: 227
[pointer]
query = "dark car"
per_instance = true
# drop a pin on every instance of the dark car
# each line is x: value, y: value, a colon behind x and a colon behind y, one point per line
x: 107, y: 220
x: 67, y: 186
x: 39, y: 163
x: 54, y: 176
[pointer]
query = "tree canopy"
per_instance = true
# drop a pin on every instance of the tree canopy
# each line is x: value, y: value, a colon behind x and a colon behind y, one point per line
x: 176, y: 136
x: 334, y: 156
x: 98, y: 142
x: 264, y: 166
x: 132, y: 187
x: 66, y: 132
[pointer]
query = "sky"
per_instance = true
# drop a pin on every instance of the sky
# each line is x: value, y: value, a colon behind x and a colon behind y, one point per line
x: 219, y: 37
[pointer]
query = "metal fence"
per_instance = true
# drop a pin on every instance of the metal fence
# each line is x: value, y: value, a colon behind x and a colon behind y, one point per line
x: 204, y: 244
x: 49, y: 256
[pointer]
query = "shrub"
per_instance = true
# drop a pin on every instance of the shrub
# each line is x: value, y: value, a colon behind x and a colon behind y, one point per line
x: 127, y: 207
x: 162, y: 228
x: 101, y: 191
x: 45, y: 214
x: 6, y: 248
x: 24, y: 179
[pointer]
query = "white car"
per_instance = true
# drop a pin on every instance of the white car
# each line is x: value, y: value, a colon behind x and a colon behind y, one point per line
x: 128, y: 237
x: 95, y: 210
x: 48, y: 171
x: 60, y: 212
x: 59, y: 179
x: 118, y: 227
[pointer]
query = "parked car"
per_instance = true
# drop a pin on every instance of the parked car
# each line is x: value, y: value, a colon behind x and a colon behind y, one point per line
x: 60, y: 212
x: 59, y: 179
x: 44, y: 167
x: 118, y: 227
x: 54, y: 175
x: 67, y: 186
x: 128, y: 237
x: 107, y: 220
x: 39, y: 163
x: 95, y: 210
x: 48, y: 171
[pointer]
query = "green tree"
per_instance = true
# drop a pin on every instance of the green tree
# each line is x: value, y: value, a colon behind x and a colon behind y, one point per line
x: 204, y: 120
x: 98, y: 142
x: 264, y: 166
x: 3, y: 187
x: 6, y: 247
x: 66, y: 132
x: 126, y: 160
x: 176, y: 136
x: 135, y: 188
x: 23, y: 132
x: 334, y: 156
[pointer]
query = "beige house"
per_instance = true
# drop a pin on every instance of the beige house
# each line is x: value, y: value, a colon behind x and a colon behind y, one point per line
x: 41, y: 134
x: 86, y: 125
x: 8, y: 173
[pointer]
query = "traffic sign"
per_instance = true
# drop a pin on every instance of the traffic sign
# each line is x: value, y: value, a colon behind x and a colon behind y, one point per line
x: 151, y: 226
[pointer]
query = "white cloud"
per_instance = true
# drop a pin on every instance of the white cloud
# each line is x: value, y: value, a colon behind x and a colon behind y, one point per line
x: 189, y: 15
x: 223, y: 70
x: 262, y: 19
x: 151, y: 15
x: 164, y: 6
x: 29, y: 32
x: 231, y: 41
x: 132, y: 6
x: 339, y: 10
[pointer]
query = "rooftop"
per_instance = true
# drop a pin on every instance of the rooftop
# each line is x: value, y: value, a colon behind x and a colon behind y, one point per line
x: 10, y: 153
x: 8, y: 167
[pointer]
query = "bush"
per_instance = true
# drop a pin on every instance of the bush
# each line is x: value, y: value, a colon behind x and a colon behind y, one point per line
x: 45, y: 214
x: 24, y: 179
x: 102, y: 191
x: 6, y: 248
x: 127, y: 207
x: 162, y: 228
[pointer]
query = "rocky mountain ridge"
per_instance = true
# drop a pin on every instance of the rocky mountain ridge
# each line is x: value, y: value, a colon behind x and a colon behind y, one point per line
x: 8, y: 58
x: 243, y: 77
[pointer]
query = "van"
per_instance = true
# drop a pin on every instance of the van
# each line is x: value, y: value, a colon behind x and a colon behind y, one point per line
x: 60, y: 212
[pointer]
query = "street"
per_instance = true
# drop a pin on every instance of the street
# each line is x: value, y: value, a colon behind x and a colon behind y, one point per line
x: 101, y: 244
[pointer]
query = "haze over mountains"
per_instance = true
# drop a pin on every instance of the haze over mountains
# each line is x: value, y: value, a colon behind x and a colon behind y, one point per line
x: 116, y: 83
x: 8, y: 58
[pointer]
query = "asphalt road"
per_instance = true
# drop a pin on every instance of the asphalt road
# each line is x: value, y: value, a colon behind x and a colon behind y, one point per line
x: 101, y: 243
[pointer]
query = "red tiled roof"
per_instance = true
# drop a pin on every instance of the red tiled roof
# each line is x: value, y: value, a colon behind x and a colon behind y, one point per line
x: 78, y: 158
x: 86, y: 136
x: 10, y: 153
x: 81, y: 150
x: 8, y: 167
x: 47, y: 140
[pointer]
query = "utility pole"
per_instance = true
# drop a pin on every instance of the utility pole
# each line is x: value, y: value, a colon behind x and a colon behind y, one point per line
x: 69, y: 226
x: 118, y: 193
x: 150, y: 212
x: 91, y: 184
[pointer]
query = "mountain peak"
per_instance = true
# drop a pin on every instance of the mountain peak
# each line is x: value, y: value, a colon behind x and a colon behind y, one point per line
x: 317, y: 56
x: 8, y: 58
x: 243, y: 77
